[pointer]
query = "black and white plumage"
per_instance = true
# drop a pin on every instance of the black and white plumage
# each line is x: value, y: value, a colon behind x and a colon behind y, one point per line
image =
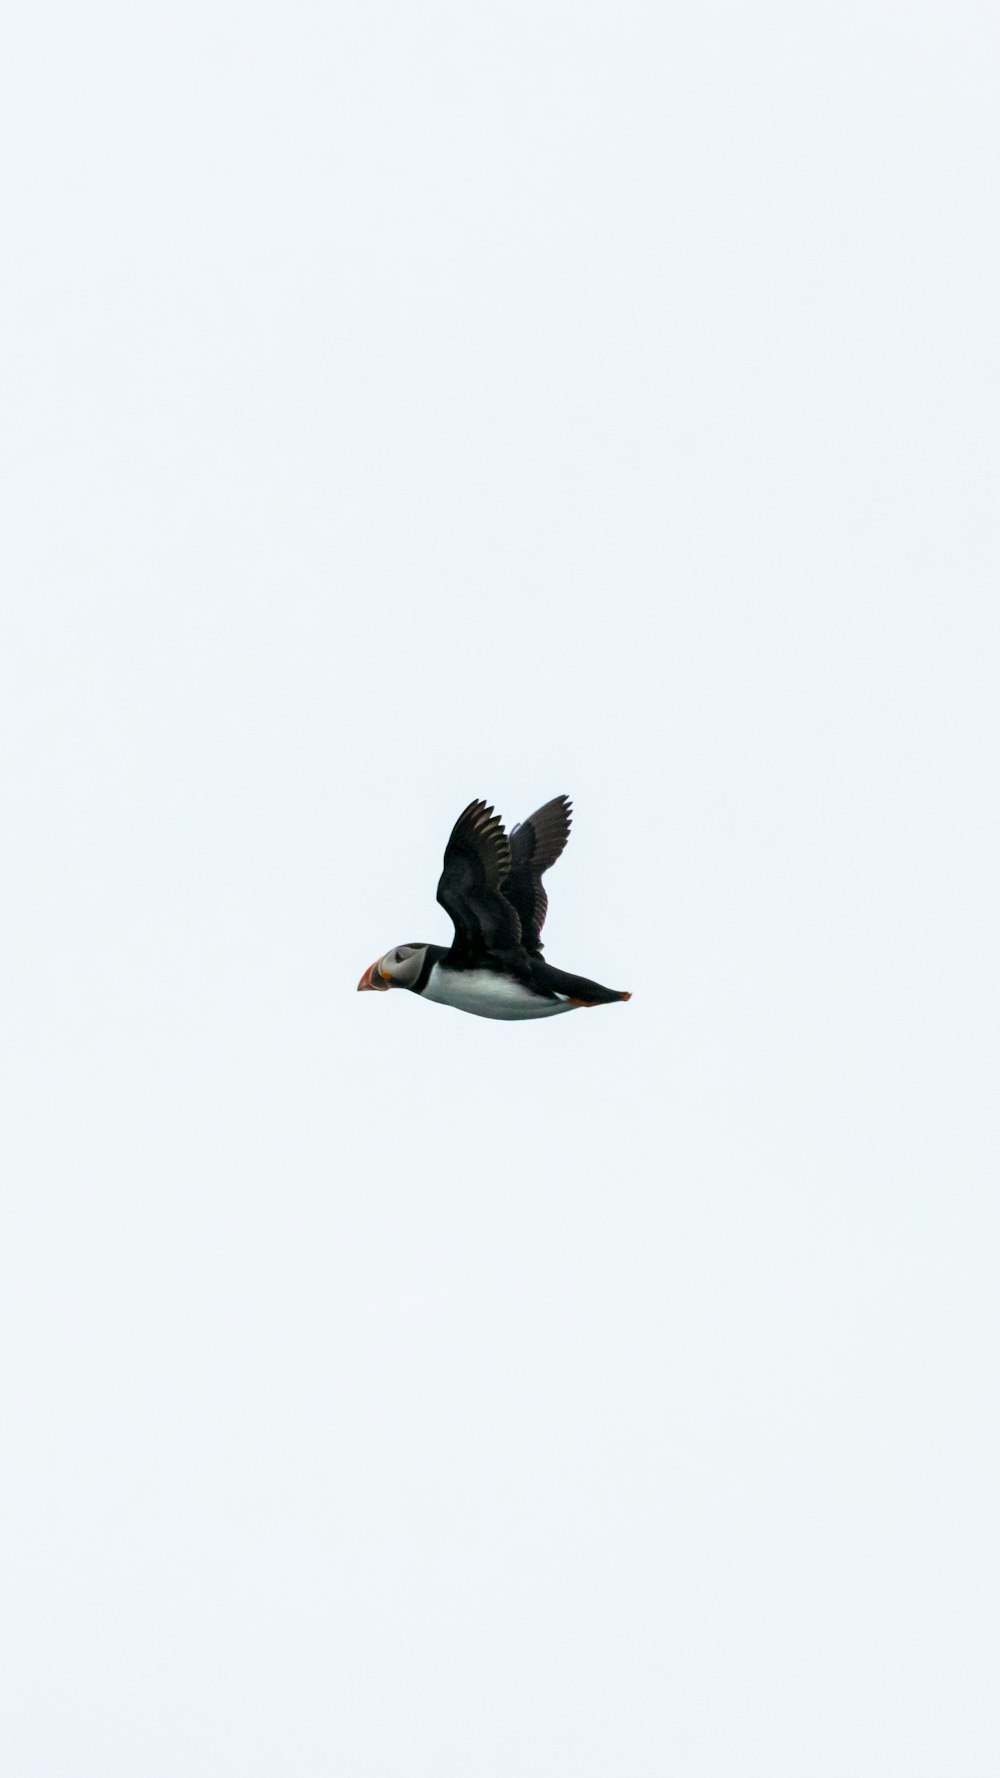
x: 491, y: 886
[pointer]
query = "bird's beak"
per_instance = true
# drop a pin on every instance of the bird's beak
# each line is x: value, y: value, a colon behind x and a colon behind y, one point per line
x: 372, y: 978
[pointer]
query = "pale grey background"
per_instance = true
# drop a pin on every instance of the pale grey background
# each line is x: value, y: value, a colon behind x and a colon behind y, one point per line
x: 405, y: 404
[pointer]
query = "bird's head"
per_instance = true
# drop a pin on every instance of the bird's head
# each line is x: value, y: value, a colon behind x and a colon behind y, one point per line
x: 399, y: 968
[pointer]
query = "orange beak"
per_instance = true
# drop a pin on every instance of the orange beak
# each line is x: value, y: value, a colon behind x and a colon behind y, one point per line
x: 372, y: 979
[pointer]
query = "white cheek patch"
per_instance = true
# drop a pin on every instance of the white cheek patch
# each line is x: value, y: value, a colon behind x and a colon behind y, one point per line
x: 403, y: 964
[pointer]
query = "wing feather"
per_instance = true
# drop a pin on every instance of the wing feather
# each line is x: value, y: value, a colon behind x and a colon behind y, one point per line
x: 534, y: 846
x: 477, y: 858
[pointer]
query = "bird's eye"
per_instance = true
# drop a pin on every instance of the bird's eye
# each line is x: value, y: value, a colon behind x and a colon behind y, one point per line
x: 398, y: 957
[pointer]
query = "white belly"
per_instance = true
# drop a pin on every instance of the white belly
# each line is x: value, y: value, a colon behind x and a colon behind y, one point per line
x: 490, y: 996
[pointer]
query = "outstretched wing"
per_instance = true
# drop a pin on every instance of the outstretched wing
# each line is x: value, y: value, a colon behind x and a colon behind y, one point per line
x: 476, y: 861
x: 534, y: 845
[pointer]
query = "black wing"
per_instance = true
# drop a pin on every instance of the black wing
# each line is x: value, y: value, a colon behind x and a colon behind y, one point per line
x: 535, y: 845
x: 476, y: 861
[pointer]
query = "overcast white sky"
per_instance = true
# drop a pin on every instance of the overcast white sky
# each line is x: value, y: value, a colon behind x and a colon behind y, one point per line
x: 402, y: 405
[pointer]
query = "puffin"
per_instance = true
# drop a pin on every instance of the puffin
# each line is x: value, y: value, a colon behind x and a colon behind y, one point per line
x: 491, y: 886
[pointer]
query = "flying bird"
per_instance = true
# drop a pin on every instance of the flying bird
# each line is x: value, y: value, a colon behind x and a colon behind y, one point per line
x: 491, y: 886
